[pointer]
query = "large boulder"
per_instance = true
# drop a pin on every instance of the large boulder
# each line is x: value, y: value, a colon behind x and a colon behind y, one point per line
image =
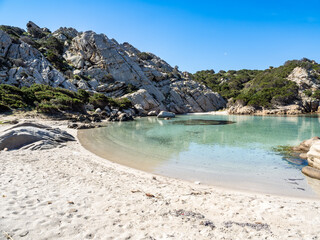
x: 314, y: 155
x: 33, y: 136
x: 311, y: 172
x: 305, y: 146
x: 164, y: 114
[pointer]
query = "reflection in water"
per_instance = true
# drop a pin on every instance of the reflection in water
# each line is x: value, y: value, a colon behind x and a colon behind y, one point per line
x: 202, y: 122
x: 235, y: 151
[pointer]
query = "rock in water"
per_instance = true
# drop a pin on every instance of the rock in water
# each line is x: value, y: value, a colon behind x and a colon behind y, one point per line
x: 33, y: 136
x: 164, y: 114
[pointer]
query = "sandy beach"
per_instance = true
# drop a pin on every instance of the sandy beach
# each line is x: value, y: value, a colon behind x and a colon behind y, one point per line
x: 70, y: 193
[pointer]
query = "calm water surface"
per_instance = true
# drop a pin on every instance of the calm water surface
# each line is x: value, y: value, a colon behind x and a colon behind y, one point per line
x: 229, y: 151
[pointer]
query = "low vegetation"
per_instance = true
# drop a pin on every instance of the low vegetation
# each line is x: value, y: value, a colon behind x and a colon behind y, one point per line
x: 144, y: 56
x: 258, y: 88
x: 46, y: 99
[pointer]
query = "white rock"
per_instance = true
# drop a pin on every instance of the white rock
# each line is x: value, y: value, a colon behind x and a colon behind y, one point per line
x: 164, y: 114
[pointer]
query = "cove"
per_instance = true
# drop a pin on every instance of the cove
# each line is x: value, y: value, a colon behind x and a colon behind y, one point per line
x: 230, y: 151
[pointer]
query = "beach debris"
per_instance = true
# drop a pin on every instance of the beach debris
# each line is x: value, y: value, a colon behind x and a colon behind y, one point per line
x: 208, y: 223
x: 197, y: 182
x: 49, y: 202
x: 7, y: 235
x: 184, y: 213
x: 71, y: 202
x: 150, y: 195
x: 24, y: 234
x: 154, y: 178
x: 135, y: 191
x: 193, y: 215
x: 258, y: 226
x: 199, y: 193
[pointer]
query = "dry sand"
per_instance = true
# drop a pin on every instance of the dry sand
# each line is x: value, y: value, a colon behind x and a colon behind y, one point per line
x: 69, y: 193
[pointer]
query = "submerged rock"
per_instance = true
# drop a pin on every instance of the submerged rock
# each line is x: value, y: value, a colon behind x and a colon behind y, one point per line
x: 33, y: 136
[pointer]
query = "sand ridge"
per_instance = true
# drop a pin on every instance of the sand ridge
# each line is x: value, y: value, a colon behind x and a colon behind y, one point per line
x: 69, y: 193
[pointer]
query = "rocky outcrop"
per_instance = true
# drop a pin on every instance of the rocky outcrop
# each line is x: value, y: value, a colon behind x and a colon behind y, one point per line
x: 95, y: 63
x: 311, y: 149
x: 306, y: 79
x: 314, y: 155
x: 25, y: 66
x: 33, y: 136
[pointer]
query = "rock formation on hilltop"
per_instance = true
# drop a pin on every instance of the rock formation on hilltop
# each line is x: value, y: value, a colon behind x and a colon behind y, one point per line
x: 85, y: 60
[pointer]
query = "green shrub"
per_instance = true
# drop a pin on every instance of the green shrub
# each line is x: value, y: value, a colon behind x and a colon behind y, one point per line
x: 316, y: 94
x: 131, y: 88
x: 107, y: 78
x: 121, y: 103
x: 99, y: 100
x: 144, y: 56
x: 77, y: 77
x: 47, y: 108
x: 308, y: 92
x: 83, y: 95
x: 4, y: 108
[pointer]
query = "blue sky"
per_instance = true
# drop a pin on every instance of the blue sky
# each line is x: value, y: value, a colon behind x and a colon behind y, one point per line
x: 194, y: 35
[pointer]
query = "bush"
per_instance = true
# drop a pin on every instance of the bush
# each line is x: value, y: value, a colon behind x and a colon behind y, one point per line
x: 308, y: 92
x: 144, y: 56
x: 83, y: 95
x: 131, y: 88
x: 98, y: 100
x: 316, y: 94
x: 107, y: 78
x: 4, y: 108
x: 121, y: 103
x: 47, y: 108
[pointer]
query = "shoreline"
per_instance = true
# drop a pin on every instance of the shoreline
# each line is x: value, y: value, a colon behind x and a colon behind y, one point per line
x: 70, y: 193
x: 194, y: 183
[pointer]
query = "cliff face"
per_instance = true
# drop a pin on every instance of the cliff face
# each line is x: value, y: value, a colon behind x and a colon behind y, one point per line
x: 93, y: 62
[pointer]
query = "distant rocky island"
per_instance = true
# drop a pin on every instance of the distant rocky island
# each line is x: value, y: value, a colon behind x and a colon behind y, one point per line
x: 70, y: 71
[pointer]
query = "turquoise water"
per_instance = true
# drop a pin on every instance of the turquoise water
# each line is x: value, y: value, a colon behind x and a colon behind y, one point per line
x: 229, y: 151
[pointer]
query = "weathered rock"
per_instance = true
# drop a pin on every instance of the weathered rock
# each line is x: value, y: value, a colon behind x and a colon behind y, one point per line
x: 143, y: 99
x: 305, y: 146
x: 98, y: 110
x: 164, y: 114
x: 311, y: 172
x: 152, y: 113
x: 314, y: 155
x: 241, y: 110
x: 33, y: 136
x: 115, y: 70
x: 35, y: 30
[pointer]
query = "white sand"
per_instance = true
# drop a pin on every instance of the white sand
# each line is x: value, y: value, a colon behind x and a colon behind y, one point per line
x: 69, y: 193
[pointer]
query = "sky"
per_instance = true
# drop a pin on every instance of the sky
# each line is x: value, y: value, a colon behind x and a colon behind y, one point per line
x: 194, y: 35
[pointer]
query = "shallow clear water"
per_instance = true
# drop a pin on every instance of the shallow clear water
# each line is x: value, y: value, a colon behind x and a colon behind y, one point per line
x: 229, y: 151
